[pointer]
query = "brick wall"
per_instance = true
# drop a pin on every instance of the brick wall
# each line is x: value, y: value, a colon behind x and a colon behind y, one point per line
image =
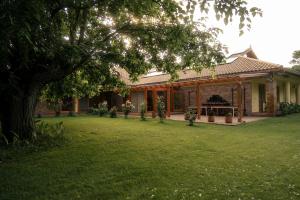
x: 225, y: 91
x: 41, y: 108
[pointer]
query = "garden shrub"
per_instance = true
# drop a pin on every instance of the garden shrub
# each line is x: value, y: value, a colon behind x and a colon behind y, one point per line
x: 55, y: 105
x: 127, y: 107
x: 49, y: 132
x: 161, y: 108
x: 71, y: 114
x: 190, y: 116
x: 143, y: 112
x: 289, y: 108
x: 102, y: 108
x: 45, y: 135
x: 113, y: 112
x: 3, y: 139
x: 93, y: 111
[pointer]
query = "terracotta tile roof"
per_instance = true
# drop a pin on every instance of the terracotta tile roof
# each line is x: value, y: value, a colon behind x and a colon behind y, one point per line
x: 241, y: 65
x: 123, y: 75
x: 291, y: 71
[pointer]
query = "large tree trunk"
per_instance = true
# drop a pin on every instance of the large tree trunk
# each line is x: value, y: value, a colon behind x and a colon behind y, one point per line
x: 17, y: 110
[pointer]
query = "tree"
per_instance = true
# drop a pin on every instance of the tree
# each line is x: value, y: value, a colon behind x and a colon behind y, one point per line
x: 296, y: 60
x: 45, y: 41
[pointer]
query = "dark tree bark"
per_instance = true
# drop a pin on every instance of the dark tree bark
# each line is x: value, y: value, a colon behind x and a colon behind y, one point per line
x: 17, y: 111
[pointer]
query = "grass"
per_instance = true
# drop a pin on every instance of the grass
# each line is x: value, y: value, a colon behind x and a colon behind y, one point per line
x: 130, y: 159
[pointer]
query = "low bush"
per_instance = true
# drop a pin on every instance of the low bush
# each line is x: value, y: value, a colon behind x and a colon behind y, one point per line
x: 102, y: 108
x: 71, y: 114
x: 49, y: 135
x: 93, y: 111
x: 143, y: 112
x: 190, y: 116
x: 289, y: 108
x: 44, y: 135
x: 161, y: 108
x: 55, y: 105
x: 113, y: 112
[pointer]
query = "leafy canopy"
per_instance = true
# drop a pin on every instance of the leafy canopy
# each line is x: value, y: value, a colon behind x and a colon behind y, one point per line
x: 296, y: 60
x: 75, y: 46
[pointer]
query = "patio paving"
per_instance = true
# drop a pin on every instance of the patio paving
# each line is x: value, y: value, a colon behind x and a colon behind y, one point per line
x: 219, y: 119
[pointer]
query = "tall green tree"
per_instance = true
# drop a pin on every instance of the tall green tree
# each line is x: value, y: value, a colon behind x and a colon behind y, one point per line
x: 296, y: 60
x: 44, y: 41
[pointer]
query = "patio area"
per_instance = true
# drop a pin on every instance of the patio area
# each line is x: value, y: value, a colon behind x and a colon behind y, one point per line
x: 219, y: 119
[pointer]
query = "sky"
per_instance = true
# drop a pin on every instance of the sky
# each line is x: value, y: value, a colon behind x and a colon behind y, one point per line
x: 273, y: 37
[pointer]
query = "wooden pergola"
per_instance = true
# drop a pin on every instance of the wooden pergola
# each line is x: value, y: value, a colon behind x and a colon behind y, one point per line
x: 168, y: 88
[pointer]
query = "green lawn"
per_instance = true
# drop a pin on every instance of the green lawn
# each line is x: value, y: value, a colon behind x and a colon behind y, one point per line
x: 130, y: 159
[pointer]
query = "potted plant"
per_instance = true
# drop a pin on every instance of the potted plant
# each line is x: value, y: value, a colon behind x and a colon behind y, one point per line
x: 153, y: 114
x: 127, y: 107
x: 228, y: 118
x: 211, y: 116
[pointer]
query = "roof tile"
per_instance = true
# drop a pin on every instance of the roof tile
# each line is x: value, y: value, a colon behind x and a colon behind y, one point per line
x: 238, y: 66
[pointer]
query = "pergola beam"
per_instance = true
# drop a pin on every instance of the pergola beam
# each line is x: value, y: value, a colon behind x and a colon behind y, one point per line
x: 154, y: 96
x: 198, y: 101
x: 164, y: 86
x: 240, y: 102
x: 145, y: 99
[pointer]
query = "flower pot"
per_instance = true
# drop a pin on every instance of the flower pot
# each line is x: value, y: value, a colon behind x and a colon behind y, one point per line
x: 211, y: 118
x: 153, y: 114
x: 228, y: 119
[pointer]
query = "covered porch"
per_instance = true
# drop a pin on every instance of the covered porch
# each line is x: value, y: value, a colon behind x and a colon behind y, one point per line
x: 181, y: 96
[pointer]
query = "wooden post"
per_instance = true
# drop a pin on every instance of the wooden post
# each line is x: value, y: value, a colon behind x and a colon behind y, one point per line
x: 168, y: 101
x: 145, y: 99
x: 172, y: 99
x: 198, y: 101
x: 240, y: 102
x: 129, y: 96
x: 298, y: 94
x: 154, y: 96
x: 288, y: 92
x: 272, y: 97
x: 76, y: 105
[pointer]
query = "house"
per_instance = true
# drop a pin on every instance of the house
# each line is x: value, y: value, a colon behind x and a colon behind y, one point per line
x: 243, y: 86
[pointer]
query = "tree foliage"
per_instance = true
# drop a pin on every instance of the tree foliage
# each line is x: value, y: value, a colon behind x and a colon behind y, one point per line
x: 73, y: 46
x: 296, y: 60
